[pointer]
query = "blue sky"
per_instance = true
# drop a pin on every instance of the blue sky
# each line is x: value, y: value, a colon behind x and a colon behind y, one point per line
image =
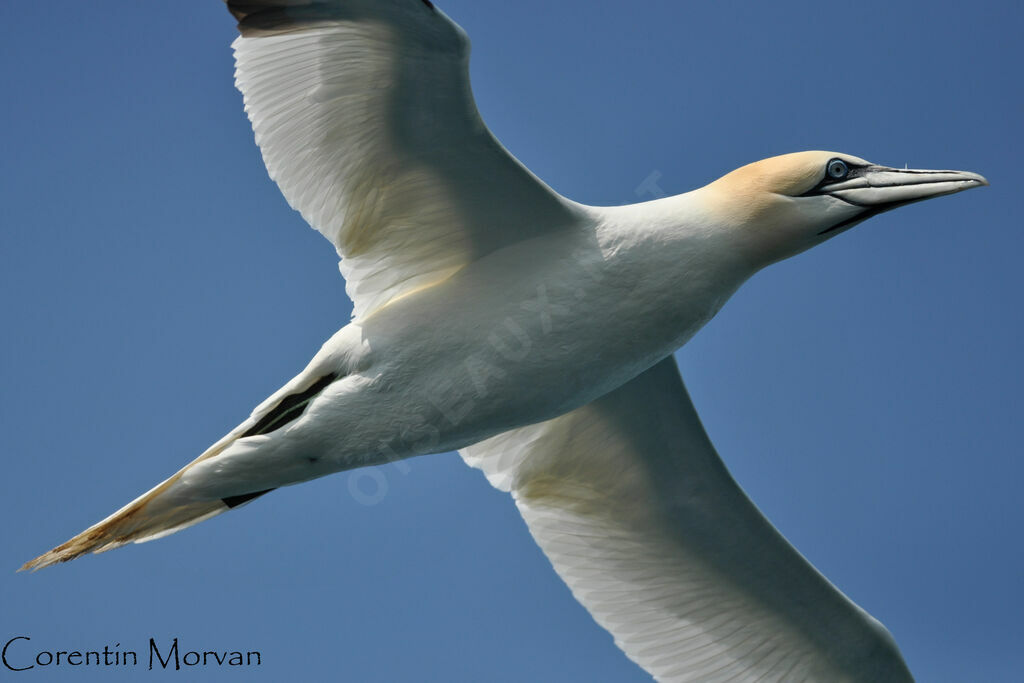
x: 156, y: 287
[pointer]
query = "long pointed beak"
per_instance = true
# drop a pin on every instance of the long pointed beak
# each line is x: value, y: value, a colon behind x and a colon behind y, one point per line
x: 877, y: 189
x: 879, y: 186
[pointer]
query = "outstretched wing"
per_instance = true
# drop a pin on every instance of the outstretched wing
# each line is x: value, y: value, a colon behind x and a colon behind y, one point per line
x: 640, y: 517
x: 366, y: 121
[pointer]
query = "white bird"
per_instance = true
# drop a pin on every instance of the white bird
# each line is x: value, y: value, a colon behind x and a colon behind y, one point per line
x: 535, y: 335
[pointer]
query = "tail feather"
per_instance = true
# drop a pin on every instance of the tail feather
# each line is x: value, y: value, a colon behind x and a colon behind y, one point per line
x: 159, y: 512
x: 172, y: 506
x: 156, y: 513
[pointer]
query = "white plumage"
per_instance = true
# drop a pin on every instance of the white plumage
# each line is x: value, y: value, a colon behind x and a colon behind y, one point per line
x: 371, y: 132
x: 629, y: 500
x: 534, y: 334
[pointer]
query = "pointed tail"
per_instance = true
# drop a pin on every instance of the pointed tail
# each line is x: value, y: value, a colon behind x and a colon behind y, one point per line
x: 173, y: 505
x: 156, y: 513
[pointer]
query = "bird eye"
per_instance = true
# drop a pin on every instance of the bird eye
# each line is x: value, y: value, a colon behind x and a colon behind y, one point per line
x: 837, y: 169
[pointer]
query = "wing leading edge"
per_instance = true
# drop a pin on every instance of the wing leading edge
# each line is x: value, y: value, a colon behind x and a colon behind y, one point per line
x: 365, y: 117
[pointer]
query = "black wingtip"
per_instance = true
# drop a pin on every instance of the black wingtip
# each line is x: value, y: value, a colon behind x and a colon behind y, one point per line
x: 234, y: 501
x: 274, y: 17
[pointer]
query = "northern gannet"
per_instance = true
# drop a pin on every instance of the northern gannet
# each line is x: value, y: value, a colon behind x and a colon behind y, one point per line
x: 533, y: 334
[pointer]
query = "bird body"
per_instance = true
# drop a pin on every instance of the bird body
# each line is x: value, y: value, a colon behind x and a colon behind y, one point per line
x: 522, y: 335
x: 534, y: 335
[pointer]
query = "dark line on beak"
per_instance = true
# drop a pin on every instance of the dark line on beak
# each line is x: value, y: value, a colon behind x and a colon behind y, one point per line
x: 870, y: 213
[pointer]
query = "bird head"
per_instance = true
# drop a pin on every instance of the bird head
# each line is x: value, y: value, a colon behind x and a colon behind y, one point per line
x: 787, y: 204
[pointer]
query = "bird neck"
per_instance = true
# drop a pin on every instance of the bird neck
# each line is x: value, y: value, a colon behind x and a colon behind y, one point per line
x: 677, y: 263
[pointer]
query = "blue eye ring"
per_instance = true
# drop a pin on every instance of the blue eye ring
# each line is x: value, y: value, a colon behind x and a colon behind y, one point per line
x: 837, y: 169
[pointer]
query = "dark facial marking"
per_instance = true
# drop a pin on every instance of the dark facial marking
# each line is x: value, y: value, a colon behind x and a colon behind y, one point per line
x: 869, y: 213
x: 854, y: 171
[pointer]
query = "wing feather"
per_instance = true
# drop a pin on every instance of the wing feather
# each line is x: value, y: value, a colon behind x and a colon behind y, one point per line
x: 639, y: 516
x: 366, y: 121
